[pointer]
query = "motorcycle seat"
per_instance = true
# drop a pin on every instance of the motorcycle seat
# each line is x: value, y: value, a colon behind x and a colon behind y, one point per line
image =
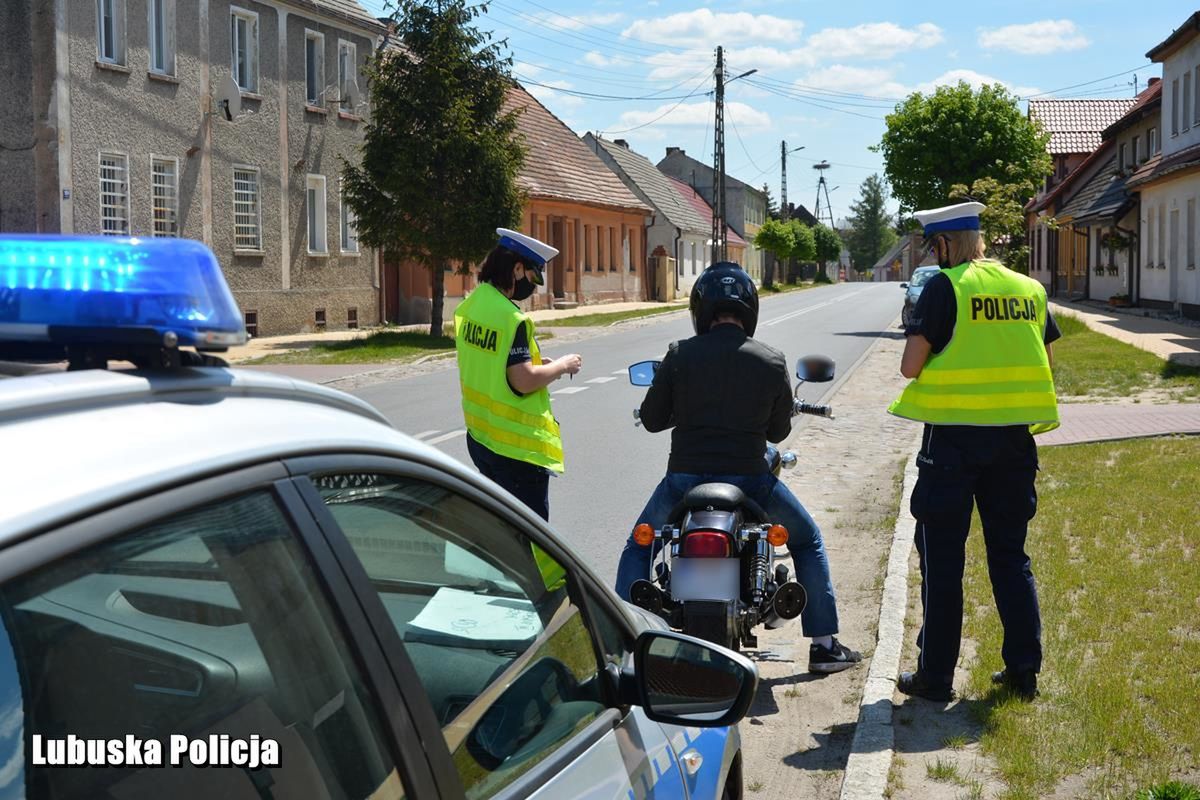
x: 718, y: 497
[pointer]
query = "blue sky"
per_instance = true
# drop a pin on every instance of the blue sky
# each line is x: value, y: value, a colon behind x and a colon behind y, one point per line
x: 828, y: 72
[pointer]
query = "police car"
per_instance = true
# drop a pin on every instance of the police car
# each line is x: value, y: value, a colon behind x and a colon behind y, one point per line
x: 221, y: 583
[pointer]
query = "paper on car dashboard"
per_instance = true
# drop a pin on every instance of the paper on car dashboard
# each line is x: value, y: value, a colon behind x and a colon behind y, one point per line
x: 468, y: 619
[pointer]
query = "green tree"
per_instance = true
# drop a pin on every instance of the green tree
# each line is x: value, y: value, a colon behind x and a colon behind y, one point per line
x: 441, y: 154
x: 772, y: 207
x: 828, y: 246
x: 1003, y: 221
x: 776, y: 239
x: 805, y: 248
x: 957, y: 136
x: 872, y: 227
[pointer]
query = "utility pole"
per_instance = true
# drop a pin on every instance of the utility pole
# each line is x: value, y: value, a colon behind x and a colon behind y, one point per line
x: 822, y: 186
x: 718, y: 222
x: 783, y: 154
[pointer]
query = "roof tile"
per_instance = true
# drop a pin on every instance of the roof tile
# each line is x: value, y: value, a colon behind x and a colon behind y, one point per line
x: 1075, y: 125
x: 559, y: 166
x: 657, y: 186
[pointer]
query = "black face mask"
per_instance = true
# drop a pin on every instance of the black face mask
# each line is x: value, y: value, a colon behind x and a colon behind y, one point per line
x: 522, y: 289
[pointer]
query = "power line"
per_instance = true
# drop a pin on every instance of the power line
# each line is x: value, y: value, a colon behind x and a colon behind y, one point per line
x: 665, y: 113
x: 1088, y: 83
x: 595, y: 96
x: 832, y: 92
x: 593, y: 41
x: 792, y: 96
x: 622, y: 37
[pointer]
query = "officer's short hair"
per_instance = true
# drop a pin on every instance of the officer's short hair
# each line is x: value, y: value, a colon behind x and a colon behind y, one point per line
x: 498, y: 268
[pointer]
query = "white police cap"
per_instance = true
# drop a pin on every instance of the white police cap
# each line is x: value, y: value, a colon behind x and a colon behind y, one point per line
x: 958, y: 217
x: 527, y: 247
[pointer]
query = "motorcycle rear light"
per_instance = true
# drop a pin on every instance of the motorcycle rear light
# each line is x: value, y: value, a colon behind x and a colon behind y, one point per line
x: 706, y: 544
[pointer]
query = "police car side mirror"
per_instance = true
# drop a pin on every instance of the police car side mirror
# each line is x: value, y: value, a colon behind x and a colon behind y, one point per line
x: 681, y: 680
x: 642, y: 373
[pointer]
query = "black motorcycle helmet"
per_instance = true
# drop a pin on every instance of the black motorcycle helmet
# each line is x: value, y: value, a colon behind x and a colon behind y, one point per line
x: 724, y: 287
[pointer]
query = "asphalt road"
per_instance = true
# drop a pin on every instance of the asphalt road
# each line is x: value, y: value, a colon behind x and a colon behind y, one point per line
x: 612, y: 466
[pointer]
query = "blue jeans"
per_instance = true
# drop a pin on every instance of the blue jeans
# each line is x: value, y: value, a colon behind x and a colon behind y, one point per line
x: 804, y: 540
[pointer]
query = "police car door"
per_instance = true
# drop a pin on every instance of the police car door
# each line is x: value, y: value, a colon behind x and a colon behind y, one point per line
x: 493, y: 631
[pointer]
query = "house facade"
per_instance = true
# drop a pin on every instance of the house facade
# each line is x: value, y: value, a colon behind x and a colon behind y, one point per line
x: 120, y: 105
x: 675, y: 226
x: 1169, y: 182
x: 574, y: 203
x: 1075, y: 127
x: 745, y: 206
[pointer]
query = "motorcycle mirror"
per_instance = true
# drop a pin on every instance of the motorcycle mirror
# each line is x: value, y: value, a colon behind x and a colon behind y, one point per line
x: 815, y: 369
x: 642, y: 373
x: 904, y: 286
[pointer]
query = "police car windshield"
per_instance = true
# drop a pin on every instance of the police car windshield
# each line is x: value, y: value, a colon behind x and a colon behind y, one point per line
x: 921, y: 277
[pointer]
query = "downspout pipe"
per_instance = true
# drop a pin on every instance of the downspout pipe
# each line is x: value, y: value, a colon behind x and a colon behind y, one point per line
x: 1133, y: 239
x: 678, y: 263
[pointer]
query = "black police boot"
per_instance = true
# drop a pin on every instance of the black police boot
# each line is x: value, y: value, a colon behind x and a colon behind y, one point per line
x: 921, y: 684
x: 1022, y: 682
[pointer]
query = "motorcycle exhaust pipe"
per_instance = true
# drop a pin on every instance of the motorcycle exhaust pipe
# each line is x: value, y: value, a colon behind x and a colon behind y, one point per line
x: 789, y: 600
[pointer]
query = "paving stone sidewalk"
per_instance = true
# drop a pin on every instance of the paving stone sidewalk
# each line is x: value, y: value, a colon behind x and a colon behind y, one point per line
x: 1096, y: 422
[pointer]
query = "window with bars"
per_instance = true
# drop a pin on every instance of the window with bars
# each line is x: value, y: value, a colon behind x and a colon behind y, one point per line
x: 244, y: 39
x: 164, y: 183
x: 247, y: 212
x: 114, y: 194
x: 251, y: 322
x: 349, y: 228
x: 110, y: 31
x: 162, y: 36
x: 314, y: 67
x: 315, y: 202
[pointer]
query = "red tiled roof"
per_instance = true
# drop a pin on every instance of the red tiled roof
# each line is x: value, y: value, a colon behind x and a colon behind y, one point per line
x: 1148, y: 97
x: 558, y: 166
x: 702, y: 207
x: 1072, y: 178
x: 1075, y: 125
x: 1158, y: 166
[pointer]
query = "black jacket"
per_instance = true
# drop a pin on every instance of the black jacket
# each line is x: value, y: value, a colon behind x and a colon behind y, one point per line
x: 726, y: 395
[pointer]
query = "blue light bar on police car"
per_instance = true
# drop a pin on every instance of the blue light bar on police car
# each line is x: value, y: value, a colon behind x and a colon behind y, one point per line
x: 85, y: 288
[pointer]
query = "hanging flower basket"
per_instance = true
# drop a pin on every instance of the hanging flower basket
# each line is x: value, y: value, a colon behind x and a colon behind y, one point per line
x: 1115, y: 241
x: 1119, y: 301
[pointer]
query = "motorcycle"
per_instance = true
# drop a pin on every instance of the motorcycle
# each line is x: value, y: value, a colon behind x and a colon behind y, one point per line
x: 713, y: 573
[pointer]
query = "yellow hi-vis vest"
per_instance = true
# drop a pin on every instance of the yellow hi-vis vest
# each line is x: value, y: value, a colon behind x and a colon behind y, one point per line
x: 995, y: 370
x: 523, y: 428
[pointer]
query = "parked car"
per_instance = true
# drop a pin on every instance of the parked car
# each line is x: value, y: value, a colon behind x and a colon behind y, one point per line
x: 222, y: 583
x: 912, y: 290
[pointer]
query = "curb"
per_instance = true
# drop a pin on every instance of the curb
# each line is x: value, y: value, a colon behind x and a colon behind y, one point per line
x: 870, y: 761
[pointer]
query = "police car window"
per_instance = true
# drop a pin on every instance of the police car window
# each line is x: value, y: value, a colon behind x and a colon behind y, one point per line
x: 486, y: 617
x: 202, y: 641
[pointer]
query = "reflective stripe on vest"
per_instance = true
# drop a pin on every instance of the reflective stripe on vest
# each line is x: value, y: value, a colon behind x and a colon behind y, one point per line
x: 519, y: 427
x: 994, y: 370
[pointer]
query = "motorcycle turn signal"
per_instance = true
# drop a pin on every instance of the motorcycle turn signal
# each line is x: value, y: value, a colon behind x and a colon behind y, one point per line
x: 777, y: 535
x: 643, y: 535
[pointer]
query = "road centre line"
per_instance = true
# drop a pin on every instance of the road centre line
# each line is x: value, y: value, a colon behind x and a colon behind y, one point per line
x: 445, y: 437
x: 572, y: 390
x: 423, y: 434
x: 605, y: 379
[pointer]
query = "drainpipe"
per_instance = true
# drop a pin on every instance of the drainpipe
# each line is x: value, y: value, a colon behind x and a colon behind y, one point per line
x: 1134, y: 274
x: 678, y: 264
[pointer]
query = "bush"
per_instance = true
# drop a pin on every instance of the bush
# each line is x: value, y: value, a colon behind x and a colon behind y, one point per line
x: 1169, y: 791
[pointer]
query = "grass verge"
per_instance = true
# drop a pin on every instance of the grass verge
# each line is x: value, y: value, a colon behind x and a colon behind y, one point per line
x: 381, y: 347
x: 606, y: 318
x: 1114, y: 549
x: 784, y: 288
x: 1090, y: 364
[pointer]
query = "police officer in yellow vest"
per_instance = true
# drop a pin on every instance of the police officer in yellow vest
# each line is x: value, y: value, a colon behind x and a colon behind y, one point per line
x: 979, y: 351
x: 511, y: 435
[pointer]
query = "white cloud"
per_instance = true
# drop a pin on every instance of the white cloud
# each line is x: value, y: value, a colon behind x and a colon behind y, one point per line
x: 875, y: 40
x: 703, y: 28
x: 546, y: 93
x: 574, y: 23
x: 975, y: 80
x: 1035, y: 38
x: 695, y: 115
x: 877, y: 81
x: 597, y: 59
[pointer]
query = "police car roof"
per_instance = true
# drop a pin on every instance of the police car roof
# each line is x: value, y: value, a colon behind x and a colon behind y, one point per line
x: 81, y: 440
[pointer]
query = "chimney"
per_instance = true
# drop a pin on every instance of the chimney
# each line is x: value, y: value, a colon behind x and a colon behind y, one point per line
x: 1153, y: 81
x: 673, y: 150
x: 621, y: 143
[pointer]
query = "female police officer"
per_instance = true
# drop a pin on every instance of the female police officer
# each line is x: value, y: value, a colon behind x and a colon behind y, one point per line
x: 511, y: 435
x: 978, y: 349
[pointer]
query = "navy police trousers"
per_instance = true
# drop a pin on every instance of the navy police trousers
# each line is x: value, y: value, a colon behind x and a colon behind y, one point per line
x: 992, y: 468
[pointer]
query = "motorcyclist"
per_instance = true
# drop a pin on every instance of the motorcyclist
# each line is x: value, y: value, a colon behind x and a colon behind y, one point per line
x: 726, y: 394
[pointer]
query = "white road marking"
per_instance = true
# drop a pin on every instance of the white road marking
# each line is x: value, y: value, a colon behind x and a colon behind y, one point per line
x: 605, y: 379
x: 620, y: 371
x: 423, y: 434
x: 445, y: 437
x: 802, y: 311
x: 572, y: 390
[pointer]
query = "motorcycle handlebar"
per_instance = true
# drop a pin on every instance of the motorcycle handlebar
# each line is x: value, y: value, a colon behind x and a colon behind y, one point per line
x: 817, y: 411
